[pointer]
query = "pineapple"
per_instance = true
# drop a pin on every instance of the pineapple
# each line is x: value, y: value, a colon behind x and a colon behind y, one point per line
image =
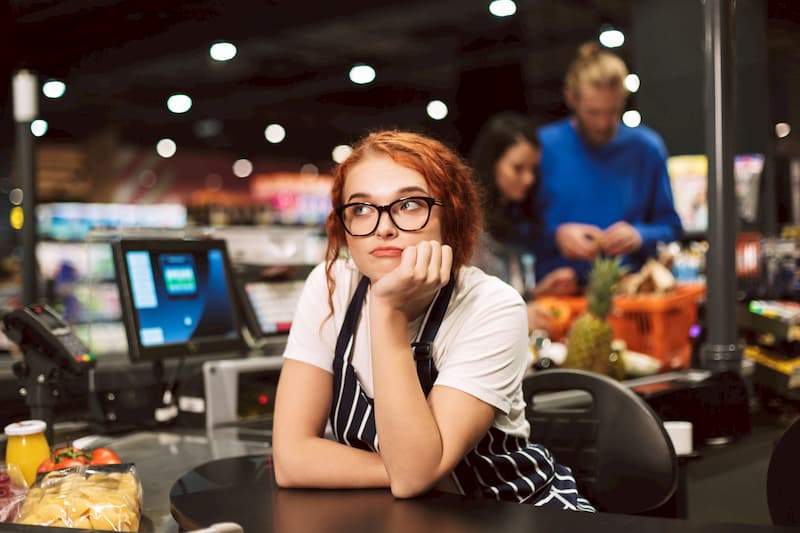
x: 589, y: 339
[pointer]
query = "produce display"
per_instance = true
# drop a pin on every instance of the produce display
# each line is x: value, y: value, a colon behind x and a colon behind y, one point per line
x: 652, y: 278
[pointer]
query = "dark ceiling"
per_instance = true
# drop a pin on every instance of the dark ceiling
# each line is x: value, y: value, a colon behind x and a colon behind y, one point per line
x: 122, y: 59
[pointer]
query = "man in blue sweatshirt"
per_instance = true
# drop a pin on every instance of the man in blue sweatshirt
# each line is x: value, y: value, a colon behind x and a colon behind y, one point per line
x: 605, y: 187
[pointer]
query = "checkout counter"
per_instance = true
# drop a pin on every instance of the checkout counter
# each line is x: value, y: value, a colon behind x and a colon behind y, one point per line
x: 210, y: 460
x: 193, y: 480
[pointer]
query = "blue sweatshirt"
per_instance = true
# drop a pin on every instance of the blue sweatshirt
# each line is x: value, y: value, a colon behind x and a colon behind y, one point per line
x: 625, y: 179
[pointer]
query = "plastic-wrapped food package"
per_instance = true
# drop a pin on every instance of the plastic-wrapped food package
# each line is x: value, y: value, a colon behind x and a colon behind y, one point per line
x: 11, y: 495
x: 107, y: 498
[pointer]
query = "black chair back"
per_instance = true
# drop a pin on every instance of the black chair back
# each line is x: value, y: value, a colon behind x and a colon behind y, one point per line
x: 782, y: 475
x: 617, y: 447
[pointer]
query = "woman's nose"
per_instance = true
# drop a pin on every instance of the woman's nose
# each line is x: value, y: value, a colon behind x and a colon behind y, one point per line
x: 386, y: 227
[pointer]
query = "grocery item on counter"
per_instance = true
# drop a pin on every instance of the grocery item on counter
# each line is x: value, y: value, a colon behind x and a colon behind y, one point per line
x: 589, y: 339
x: 98, y: 497
x: 69, y: 456
x: 652, y: 278
x: 27, y: 447
x: 11, y: 495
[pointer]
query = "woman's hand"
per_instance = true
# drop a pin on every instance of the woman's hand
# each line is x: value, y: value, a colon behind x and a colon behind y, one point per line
x: 409, y: 288
x: 538, y: 317
x: 560, y: 282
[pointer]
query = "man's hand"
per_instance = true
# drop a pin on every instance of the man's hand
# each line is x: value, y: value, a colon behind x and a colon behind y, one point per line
x: 578, y: 241
x: 423, y: 270
x: 621, y: 239
x: 560, y: 282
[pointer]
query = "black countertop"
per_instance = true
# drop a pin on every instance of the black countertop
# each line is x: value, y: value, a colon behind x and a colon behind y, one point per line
x: 242, y: 490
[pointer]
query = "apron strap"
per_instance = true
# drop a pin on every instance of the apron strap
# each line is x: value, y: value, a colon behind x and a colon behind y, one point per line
x: 423, y: 348
x: 351, y: 319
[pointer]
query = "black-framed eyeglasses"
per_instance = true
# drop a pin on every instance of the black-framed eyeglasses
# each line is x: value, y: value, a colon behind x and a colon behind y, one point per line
x: 410, y: 213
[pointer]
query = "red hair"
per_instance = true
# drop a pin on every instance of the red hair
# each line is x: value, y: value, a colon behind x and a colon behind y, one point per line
x: 448, y: 177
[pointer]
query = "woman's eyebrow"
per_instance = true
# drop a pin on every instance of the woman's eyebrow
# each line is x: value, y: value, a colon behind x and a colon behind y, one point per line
x: 404, y: 190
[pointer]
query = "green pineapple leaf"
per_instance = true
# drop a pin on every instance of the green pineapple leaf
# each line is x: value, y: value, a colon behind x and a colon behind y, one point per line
x: 605, y: 274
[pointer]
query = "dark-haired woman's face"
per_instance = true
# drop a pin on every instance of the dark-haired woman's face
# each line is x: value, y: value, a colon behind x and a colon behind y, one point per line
x: 514, y: 172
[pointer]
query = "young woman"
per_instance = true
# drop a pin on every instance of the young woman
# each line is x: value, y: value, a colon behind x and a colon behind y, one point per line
x: 505, y: 157
x: 414, y: 358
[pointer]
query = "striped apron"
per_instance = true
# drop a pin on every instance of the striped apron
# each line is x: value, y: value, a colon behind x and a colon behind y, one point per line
x: 501, y: 466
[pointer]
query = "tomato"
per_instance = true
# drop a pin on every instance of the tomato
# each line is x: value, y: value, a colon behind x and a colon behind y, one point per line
x: 70, y: 452
x: 46, y: 466
x: 71, y: 456
x: 67, y: 463
x: 104, y: 456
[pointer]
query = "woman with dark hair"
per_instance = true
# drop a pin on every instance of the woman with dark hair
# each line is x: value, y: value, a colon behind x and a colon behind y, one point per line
x: 414, y: 345
x: 505, y: 157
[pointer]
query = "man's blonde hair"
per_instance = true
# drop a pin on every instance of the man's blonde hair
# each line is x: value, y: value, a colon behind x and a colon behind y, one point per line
x: 596, y: 67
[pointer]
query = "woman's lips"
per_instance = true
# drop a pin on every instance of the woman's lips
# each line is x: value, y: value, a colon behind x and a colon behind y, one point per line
x: 388, y: 251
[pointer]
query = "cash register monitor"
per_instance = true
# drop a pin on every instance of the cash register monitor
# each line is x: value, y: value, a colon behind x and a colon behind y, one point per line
x: 177, y: 298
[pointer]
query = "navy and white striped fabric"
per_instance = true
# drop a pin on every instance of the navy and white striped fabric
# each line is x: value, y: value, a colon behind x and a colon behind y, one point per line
x: 501, y: 466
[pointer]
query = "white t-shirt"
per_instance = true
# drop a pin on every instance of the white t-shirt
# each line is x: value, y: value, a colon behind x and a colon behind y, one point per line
x: 481, y: 347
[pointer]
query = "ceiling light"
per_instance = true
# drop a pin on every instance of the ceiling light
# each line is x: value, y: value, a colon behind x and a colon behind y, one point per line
x: 222, y: 51
x: 632, y: 82
x: 631, y: 118
x: 166, y: 148
x: 362, y: 74
x: 274, y: 133
x: 437, y: 109
x: 502, y: 8
x: 54, y: 88
x: 39, y: 127
x: 179, y: 103
x: 611, y: 38
x: 242, y: 168
x: 341, y: 152
x: 782, y: 129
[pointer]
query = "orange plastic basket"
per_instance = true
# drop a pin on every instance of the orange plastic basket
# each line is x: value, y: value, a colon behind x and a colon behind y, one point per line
x: 656, y: 325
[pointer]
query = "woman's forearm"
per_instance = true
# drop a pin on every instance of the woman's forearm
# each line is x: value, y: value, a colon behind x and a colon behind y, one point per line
x: 316, y: 462
x: 410, y: 442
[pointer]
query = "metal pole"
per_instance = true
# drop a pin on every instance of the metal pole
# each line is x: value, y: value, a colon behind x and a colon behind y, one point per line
x: 25, y: 110
x: 721, y: 351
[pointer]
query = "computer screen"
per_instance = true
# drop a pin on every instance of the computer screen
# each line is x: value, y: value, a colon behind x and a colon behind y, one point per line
x: 177, y: 297
x: 270, y: 297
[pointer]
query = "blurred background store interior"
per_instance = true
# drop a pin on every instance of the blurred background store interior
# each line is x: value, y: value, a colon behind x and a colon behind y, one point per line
x: 233, y: 114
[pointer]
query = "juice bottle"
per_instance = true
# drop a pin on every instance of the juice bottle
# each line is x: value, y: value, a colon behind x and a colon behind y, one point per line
x: 27, y: 447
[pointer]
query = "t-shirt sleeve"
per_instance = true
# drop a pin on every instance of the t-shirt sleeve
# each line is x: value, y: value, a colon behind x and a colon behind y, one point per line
x: 308, y: 342
x: 490, y: 353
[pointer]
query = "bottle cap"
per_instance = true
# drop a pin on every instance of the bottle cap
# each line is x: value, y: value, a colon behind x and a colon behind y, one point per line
x: 25, y: 427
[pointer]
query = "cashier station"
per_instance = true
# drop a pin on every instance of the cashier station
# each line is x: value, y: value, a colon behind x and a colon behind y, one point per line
x: 193, y: 408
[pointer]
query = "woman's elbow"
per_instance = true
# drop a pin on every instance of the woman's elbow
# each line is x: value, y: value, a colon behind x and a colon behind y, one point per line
x: 281, y: 477
x: 411, y: 488
x: 285, y: 474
